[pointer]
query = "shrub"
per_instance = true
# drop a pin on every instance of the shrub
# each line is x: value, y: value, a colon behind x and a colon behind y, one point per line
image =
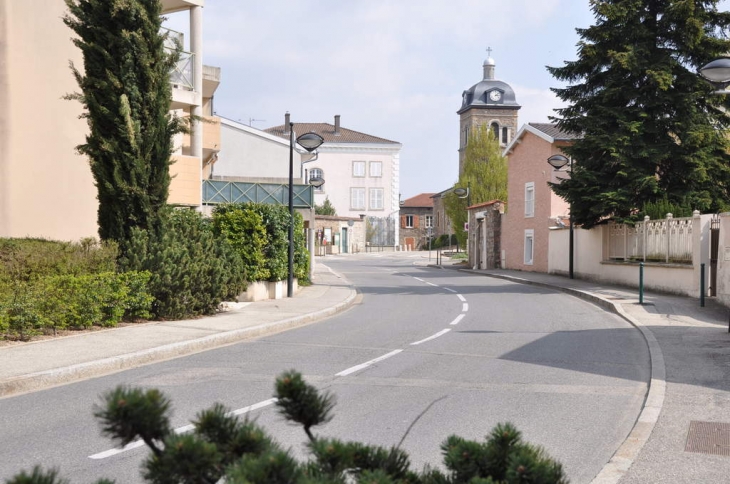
x: 77, y: 302
x: 244, y: 229
x: 26, y: 259
x: 192, y: 270
x: 276, y: 247
x: 222, y: 448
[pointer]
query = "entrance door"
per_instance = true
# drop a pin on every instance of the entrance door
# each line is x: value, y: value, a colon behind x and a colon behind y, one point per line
x: 344, y: 240
x: 410, y: 242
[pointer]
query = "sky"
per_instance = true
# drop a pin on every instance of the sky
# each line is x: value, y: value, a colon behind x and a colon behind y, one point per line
x: 394, y: 69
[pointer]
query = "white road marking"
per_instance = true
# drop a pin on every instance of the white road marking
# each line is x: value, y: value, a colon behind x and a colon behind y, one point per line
x: 432, y: 284
x: 465, y: 307
x: 367, y: 363
x: 179, y: 430
x: 450, y: 290
x: 419, y: 279
x: 440, y: 333
x: 458, y: 318
x: 461, y: 298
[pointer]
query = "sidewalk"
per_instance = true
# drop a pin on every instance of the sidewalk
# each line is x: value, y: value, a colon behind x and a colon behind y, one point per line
x: 42, y: 364
x: 689, y: 347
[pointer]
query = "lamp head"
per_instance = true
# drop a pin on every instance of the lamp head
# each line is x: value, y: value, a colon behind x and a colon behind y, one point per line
x: 316, y: 181
x: 310, y: 141
x: 461, y: 192
x: 717, y: 72
x: 558, y: 161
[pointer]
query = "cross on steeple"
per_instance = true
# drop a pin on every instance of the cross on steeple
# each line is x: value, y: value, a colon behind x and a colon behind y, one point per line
x: 489, y: 52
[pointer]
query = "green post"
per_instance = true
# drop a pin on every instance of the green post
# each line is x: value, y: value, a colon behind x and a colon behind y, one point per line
x: 641, y: 283
x: 702, y: 285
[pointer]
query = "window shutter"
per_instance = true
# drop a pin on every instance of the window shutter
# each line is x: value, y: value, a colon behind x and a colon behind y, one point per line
x: 416, y: 221
x: 402, y: 221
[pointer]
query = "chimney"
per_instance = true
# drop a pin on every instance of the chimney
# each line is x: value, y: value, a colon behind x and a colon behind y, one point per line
x: 337, y: 124
x: 287, y: 121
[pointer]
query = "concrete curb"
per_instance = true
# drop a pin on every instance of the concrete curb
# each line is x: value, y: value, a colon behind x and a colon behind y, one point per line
x: 629, y: 450
x: 59, y: 376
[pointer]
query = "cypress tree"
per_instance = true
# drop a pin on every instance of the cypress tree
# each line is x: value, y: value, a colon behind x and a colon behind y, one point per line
x: 651, y: 127
x: 126, y: 94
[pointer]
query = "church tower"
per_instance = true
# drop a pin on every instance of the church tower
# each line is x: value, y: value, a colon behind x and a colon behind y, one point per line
x: 489, y: 102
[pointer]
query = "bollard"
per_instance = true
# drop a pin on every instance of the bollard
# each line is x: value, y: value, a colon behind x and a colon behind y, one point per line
x: 641, y: 283
x: 702, y: 285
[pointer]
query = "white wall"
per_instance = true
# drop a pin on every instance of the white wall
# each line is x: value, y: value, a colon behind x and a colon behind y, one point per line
x: 252, y: 153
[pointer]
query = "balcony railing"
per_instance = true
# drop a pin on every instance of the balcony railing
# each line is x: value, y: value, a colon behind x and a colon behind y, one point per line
x: 220, y: 191
x: 182, y: 75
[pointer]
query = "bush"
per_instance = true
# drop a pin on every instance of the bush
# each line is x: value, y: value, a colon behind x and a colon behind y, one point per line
x: 192, y: 270
x: 222, y: 448
x: 73, y: 302
x: 27, y: 259
x: 659, y: 209
x: 229, y: 222
x: 244, y: 229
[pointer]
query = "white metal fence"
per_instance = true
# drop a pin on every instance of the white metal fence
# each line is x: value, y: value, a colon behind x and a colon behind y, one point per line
x: 668, y: 240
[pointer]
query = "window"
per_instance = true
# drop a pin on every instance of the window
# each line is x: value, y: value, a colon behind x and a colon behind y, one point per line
x: 316, y: 173
x: 357, y: 198
x: 505, y: 135
x: 376, y: 168
x: 409, y: 221
x: 429, y: 221
x: 530, y: 199
x: 376, y: 199
x: 495, y: 131
x: 358, y: 168
x: 529, y: 245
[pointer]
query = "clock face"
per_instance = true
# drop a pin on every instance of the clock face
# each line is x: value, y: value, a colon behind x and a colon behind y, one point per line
x: 495, y: 95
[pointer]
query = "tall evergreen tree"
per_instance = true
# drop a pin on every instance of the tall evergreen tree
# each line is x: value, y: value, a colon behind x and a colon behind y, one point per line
x: 126, y: 92
x: 650, y: 125
x: 484, y: 174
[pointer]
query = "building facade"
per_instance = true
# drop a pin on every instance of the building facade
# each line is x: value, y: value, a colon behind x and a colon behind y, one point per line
x: 416, y: 221
x: 46, y: 188
x: 361, y: 174
x: 533, y: 209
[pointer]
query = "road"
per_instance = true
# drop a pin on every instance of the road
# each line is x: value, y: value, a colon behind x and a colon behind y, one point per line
x: 424, y: 353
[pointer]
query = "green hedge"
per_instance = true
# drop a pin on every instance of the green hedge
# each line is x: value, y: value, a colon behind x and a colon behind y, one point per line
x: 260, y: 232
x: 53, y: 303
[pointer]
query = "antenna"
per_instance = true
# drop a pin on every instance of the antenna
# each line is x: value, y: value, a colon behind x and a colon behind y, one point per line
x: 251, y: 120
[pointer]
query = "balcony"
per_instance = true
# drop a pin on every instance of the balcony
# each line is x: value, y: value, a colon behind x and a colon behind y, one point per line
x: 170, y: 6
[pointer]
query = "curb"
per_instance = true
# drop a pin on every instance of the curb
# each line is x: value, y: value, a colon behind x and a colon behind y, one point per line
x: 629, y: 450
x: 58, y: 376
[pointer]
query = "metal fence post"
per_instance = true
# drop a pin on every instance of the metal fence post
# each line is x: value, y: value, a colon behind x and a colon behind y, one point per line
x: 641, y: 283
x: 702, y: 285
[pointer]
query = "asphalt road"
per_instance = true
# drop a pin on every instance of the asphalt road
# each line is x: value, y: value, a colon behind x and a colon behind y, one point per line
x: 425, y: 353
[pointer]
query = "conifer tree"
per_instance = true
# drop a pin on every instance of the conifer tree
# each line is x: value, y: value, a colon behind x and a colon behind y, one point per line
x: 484, y: 174
x: 650, y: 125
x: 126, y: 94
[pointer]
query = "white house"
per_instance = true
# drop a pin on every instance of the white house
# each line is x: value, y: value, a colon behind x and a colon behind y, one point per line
x: 361, y: 174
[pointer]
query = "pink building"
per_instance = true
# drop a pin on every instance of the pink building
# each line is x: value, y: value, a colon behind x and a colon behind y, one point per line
x: 532, y: 207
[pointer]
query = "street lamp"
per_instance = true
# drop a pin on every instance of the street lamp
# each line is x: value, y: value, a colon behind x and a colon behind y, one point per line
x: 717, y: 73
x: 558, y: 162
x: 310, y: 142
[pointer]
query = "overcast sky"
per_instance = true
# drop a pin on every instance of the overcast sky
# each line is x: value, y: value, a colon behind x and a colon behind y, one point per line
x: 394, y: 69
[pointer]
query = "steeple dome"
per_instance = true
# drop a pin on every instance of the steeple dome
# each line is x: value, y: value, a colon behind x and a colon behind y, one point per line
x: 489, y: 92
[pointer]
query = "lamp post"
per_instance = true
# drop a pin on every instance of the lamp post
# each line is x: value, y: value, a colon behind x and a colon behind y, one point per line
x: 464, y: 193
x: 310, y: 142
x: 558, y: 162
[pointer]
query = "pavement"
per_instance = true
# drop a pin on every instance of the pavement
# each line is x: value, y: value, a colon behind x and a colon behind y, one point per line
x: 681, y: 436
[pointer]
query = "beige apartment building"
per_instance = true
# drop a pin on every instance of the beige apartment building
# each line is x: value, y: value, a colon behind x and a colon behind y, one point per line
x: 46, y: 188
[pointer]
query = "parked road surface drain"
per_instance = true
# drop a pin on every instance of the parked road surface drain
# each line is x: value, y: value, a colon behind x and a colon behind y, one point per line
x: 708, y: 438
